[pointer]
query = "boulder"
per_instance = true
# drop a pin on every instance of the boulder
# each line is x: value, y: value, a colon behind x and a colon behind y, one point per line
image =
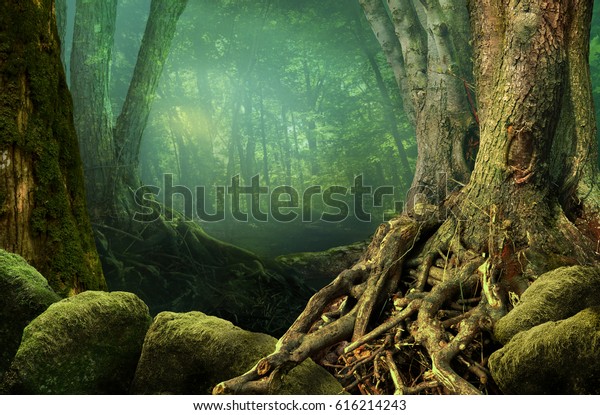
x: 190, y: 353
x: 554, y: 296
x: 552, y: 358
x: 86, y: 344
x: 25, y: 295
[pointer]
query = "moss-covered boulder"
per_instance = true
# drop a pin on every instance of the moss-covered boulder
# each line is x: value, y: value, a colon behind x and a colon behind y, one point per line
x: 86, y: 344
x: 554, y: 296
x: 190, y: 353
x: 25, y: 294
x: 552, y: 358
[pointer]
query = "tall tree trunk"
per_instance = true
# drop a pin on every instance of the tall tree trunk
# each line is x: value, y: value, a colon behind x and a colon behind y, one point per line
x: 156, y: 43
x: 297, y: 156
x: 313, y: 92
x: 527, y: 59
x: 235, y: 146
x: 42, y: 202
x: 91, y: 58
x: 431, y: 62
x: 250, y: 155
x: 575, y: 161
x: 205, y: 104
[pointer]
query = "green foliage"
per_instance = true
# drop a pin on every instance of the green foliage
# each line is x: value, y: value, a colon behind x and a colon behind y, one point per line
x: 272, y: 88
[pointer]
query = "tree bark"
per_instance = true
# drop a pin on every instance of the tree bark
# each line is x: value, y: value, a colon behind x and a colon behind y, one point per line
x: 61, y: 24
x: 91, y: 59
x: 388, y: 106
x: 42, y: 201
x: 431, y: 60
x: 156, y: 43
x: 445, y: 123
x: 526, y: 60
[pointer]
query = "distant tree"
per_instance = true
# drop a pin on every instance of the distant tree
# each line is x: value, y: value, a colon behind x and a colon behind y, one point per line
x: 111, y: 151
x: 42, y: 201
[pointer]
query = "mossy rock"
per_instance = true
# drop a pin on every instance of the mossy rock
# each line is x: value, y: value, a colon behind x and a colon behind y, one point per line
x: 190, y: 353
x: 25, y: 295
x: 86, y: 344
x: 554, y: 296
x: 552, y: 358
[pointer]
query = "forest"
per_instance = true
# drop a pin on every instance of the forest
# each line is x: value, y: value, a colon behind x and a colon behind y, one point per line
x: 299, y: 197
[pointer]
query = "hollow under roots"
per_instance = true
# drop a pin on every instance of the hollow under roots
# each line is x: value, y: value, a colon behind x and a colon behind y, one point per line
x: 435, y: 302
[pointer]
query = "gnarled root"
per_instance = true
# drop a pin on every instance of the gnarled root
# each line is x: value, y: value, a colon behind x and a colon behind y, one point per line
x: 425, y: 335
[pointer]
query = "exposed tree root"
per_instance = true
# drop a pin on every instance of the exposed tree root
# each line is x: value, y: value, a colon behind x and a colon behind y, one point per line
x: 443, y: 300
x: 172, y: 264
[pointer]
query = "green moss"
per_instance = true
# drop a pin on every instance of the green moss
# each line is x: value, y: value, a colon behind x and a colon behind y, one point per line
x: 25, y: 294
x: 554, y: 296
x: 552, y: 358
x: 59, y: 220
x: 190, y: 353
x: 86, y: 344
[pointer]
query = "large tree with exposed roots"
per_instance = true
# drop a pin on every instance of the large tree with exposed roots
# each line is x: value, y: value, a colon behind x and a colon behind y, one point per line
x: 436, y: 279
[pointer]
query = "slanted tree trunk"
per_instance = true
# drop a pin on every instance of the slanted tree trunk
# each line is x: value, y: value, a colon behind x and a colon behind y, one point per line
x: 390, y: 116
x: 156, y: 43
x: 111, y: 150
x: 42, y: 201
x: 397, y: 63
x: 430, y: 60
x: 530, y: 206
